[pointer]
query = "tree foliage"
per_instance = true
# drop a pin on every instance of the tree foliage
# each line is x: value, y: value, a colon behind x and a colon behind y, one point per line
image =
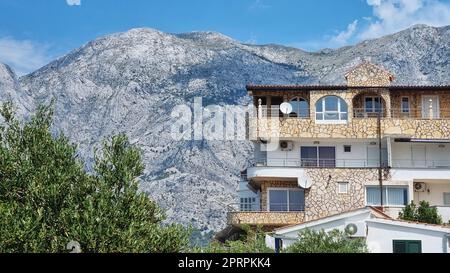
x: 47, y: 199
x: 423, y: 213
x: 327, y: 242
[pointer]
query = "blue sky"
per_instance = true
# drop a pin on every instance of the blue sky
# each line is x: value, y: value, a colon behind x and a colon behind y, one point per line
x: 33, y: 32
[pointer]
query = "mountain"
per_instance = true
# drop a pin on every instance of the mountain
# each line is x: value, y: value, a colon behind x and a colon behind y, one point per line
x: 129, y: 82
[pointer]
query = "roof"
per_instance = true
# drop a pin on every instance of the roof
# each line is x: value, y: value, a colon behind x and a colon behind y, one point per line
x: 376, y: 212
x: 409, y: 224
x: 295, y: 87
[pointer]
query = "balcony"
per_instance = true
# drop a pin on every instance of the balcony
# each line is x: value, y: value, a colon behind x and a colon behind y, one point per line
x: 318, y: 163
x: 414, y: 123
x: 254, y: 215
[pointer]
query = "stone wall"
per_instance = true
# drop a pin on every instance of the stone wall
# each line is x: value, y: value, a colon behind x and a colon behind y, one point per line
x: 367, y: 74
x: 266, y: 219
x: 357, y: 129
x: 323, y: 198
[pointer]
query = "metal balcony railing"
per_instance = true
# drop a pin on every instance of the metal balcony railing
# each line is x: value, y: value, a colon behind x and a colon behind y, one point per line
x: 397, y: 113
x: 414, y: 163
x: 318, y: 163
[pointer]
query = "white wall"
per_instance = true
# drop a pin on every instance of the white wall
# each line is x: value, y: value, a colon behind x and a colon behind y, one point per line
x: 356, y: 158
x: 380, y: 238
x: 340, y: 224
x: 426, y: 155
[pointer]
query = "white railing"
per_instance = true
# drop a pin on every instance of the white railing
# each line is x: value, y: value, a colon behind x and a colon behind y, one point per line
x: 413, y: 163
x: 318, y: 163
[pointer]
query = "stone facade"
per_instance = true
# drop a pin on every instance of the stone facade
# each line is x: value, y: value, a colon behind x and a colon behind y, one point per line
x: 293, y: 128
x: 368, y: 74
x: 321, y: 200
x: 269, y: 220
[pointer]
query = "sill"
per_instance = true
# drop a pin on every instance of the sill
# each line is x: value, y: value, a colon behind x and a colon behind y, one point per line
x: 328, y: 122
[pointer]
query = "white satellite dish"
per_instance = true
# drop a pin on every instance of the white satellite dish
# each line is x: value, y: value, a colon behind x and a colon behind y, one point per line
x: 304, y: 182
x: 286, y: 108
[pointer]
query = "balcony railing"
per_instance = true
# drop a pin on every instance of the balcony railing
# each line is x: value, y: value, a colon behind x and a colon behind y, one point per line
x: 396, y: 113
x: 414, y: 163
x: 272, y: 207
x: 318, y: 163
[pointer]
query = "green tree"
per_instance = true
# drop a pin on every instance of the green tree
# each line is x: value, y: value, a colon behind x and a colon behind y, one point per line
x: 47, y: 199
x: 327, y: 242
x: 252, y: 242
x: 423, y: 214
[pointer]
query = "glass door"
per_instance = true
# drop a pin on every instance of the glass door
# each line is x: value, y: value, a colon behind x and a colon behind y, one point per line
x: 430, y: 107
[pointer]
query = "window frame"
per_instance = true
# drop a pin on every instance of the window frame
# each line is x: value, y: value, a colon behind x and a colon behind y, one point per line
x: 347, y: 184
x: 298, y: 100
x: 409, y: 105
x: 318, y: 159
x: 444, y: 196
x: 386, y: 196
x: 407, y: 246
x: 373, y: 110
x: 349, y: 148
x: 287, y: 190
x: 324, y: 111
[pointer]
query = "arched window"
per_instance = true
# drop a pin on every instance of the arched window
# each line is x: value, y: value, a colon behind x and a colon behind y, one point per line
x: 331, y: 108
x: 300, y: 108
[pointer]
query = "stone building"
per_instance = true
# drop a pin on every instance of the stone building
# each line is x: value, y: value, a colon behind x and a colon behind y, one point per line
x: 324, y: 150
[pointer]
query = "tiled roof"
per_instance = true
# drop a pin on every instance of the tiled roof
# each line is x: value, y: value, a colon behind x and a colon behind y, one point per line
x: 252, y: 87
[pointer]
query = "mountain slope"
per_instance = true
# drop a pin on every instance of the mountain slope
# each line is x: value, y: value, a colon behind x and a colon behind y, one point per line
x: 129, y: 82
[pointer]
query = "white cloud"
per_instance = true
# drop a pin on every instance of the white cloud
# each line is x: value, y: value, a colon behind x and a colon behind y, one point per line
x: 343, y: 37
x: 394, y: 15
x: 389, y: 16
x: 73, y: 2
x: 22, y: 55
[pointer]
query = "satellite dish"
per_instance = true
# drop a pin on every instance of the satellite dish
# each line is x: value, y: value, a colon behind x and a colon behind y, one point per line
x: 286, y: 108
x: 304, y: 182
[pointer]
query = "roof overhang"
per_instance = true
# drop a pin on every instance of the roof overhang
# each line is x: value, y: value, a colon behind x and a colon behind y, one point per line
x: 414, y: 140
x: 279, y: 88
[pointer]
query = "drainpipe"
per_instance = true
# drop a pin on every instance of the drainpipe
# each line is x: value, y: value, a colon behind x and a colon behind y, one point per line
x: 380, y: 167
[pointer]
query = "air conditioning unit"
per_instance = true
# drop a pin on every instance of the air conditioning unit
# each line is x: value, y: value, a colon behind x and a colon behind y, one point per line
x: 356, y: 230
x: 286, y: 146
x: 420, y: 187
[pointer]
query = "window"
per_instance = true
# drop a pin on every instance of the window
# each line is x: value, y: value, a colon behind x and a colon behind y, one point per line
x: 343, y: 187
x: 331, y: 108
x: 318, y: 157
x: 248, y: 204
x: 286, y: 200
x: 347, y: 148
x: 404, y: 246
x: 392, y: 196
x: 406, y: 107
x: 447, y: 199
x: 373, y: 105
x: 300, y: 108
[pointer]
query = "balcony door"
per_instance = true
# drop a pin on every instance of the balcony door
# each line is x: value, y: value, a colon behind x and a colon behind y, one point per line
x: 324, y: 157
x: 430, y: 107
x: 286, y: 200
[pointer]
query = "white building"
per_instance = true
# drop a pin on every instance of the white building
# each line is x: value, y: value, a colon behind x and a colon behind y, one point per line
x: 382, y: 234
